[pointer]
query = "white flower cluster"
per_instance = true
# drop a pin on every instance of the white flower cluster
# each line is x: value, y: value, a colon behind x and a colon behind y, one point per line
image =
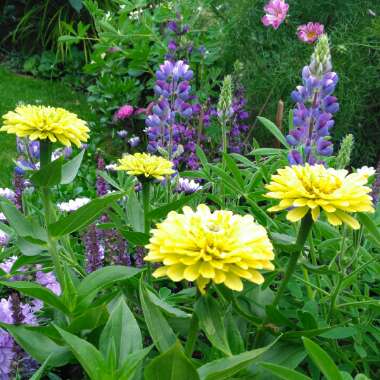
x: 73, y: 204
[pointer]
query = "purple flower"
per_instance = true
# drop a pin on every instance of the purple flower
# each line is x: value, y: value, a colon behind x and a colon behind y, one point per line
x: 7, y: 193
x: 310, y: 32
x: 187, y: 186
x: 19, y: 186
x: 94, y: 249
x: 124, y: 112
x: 276, y: 11
x: 134, y: 141
x: 101, y: 184
x: 48, y: 280
x: 122, y: 134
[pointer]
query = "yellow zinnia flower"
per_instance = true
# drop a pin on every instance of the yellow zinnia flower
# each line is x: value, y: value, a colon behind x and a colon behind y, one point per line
x: 146, y: 165
x: 316, y: 188
x: 41, y: 123
x: 206, y: 246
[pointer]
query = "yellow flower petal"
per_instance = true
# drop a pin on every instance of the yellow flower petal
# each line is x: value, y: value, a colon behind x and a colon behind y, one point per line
x: 297, y: 214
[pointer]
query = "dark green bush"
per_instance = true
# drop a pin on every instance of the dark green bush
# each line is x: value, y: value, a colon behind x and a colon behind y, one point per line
x: 273, y: 60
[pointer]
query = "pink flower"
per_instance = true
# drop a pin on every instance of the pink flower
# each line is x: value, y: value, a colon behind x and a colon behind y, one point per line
x: 276, y: 11
x: 124, y: 112
x: 310, y: 32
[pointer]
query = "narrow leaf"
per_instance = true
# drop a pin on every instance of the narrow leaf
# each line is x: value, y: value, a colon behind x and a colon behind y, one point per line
x: 71, y: 168
x: 272, y: 128
x: 284, y: 372
x: 322, y: 360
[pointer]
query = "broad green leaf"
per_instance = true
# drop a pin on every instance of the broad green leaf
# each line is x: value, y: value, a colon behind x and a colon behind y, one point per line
x: 161, y: 212
x: 100, y: 279
x: 370, y: 225
x: 29, y: 249
x: 38, y: 345
x: 127, y: 371
x: 322, y: 360
x: 50, y: 175
x: 123, y: 330
x: 166, y: 308
x: 171, y: 365
x: 71, y: 168
x: 224, y: 368
x: 40, y: 372
x: 37, y: 291
x: 272, y: 128
x: 22, y: 226
x: 284, y: 372
x: 90, y: 319
x: 162, y: 334
x: 137, y: 238
x: 210, y: 314
x: 135, y: 212
x: 87, y: 355
x: 84, y: 216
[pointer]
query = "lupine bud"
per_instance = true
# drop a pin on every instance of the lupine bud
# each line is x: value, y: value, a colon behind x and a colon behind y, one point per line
x: 225, y: 100
x: 343, y: 158
x: 321, y: 58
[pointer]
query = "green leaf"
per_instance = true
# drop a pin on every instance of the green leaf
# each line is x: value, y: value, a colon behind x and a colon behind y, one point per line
x: 224, y: 368
x: 100, y: 279
x: 284, y: 372
x: 272, y: 128
x: 29, y: 249
x: 322, y: 360
x: 39, y: 373
x: 37, y: 291
x: 87, y: 355
x: 370, y: 225
x: 171, y: 365
x: 210, y: 314
x: 84, y: 216
x: 71, y: 168
x: 22, y: 226
x: 123, y: 331
x: 137, y: 238
x: 267, y: 152
x: 233, y: 168
x: 50, y: 175
x: 162, y: 334
x: 135, y: 212
x: 90, y: 319
x: 166, y: 308
x: 127, y: 371
x: 38, y: 345
x: 339, y: 333
x: 161, y: 212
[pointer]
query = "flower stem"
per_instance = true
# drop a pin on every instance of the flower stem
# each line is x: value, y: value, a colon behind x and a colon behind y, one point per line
x: 303, y: 233
x: 306, y: 224
x: 146, y: 205
x: 50, y: 217
x: 192, y: 335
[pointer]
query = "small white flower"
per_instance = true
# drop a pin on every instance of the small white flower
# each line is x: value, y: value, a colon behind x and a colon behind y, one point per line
x: 366, y: 171
x: 7, y: 193
x: 73, y: 204
x: 187, y: 186
x: 2, y: 217
x: 111, y: 167
x: 4, y: 238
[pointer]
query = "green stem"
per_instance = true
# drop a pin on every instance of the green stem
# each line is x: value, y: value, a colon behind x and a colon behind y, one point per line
x: 146, y: 208
x: 146, y: 205
x: 303, y: 233
x: 306, y: 224
x: 50, y: 217
x: 192, y: 335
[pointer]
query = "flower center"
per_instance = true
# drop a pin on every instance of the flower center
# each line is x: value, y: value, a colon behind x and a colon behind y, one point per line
x: 321, y: 183
x: 311, y: 35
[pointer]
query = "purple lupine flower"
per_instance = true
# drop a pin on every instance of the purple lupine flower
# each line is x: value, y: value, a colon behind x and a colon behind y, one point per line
x: 376, y: 186
x: 94, y: 249
x: 48, y: 280
x: 7, y: 354
x: 315, y: 106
